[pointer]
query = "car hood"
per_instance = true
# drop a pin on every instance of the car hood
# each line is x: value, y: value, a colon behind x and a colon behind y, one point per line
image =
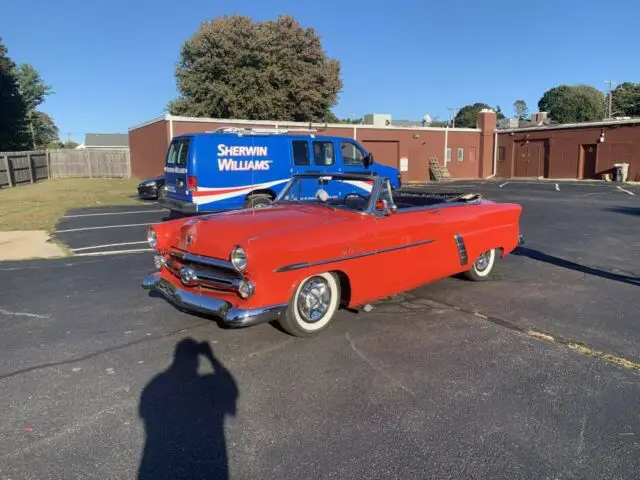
x: 217, y: 234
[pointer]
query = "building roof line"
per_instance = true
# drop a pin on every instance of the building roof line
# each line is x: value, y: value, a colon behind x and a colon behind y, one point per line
x: 602, y: 123
x: 293, y: 124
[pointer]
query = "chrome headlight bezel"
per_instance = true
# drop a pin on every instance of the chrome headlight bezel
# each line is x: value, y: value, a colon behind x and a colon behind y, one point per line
x: 239, y: 258
x: 152, y: 238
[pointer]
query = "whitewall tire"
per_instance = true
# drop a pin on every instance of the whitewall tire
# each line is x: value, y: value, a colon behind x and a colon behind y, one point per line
x: 482, y: 267
x: 313, y: 305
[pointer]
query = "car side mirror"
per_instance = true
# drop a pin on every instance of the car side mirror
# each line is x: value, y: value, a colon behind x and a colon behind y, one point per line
x: 367, y: 160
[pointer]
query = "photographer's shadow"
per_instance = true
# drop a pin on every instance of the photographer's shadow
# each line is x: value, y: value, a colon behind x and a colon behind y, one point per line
x: 183, y: 414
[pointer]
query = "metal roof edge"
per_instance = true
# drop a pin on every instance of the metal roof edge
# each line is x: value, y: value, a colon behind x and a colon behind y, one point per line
x: 602, y: 123
x: 149, y: 122
x: 304, y: 124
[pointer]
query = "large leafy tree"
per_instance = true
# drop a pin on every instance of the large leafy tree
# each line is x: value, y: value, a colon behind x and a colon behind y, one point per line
x: 626, y: 100
x: 233, y: 67
x: 467, y: 116
x: 520, y: 109
x: 572, y: 104
x: 33, y: 91
x: 12, y: 106
x: 45, y: 130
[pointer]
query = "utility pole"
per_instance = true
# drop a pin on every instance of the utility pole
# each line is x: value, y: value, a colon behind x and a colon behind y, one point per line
x: 452, y: 116
x: 610, y: 83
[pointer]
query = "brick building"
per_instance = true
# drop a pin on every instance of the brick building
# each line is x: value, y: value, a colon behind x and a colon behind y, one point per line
x: 468, y: 152
x: 585, y: 150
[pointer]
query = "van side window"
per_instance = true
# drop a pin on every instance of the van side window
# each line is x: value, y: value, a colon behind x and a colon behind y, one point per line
x: 323, y: 153
x: 300, y: 152
x: 351, y: 155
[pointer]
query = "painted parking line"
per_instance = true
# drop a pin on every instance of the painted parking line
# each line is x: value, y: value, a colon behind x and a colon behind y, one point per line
x: 625, y: 191
x: 107, y: 246
x: 557, y: 187
x: 113, y: 252
x: 103, y: 227
x: 112, y: 213
x: 502, y: 184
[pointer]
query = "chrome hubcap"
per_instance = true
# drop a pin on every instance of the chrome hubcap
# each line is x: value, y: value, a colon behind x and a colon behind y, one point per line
x: 483, y: 261
x: 314, y: 299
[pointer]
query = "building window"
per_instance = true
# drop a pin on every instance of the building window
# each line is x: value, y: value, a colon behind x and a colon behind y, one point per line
x: 501, y: 154
x: 323, y: 153
x: 460, y: 154
x: 300, y: 152
x: 448, y: 158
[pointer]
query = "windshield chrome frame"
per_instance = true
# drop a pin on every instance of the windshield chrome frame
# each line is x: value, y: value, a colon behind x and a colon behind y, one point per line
x: 378, y: 183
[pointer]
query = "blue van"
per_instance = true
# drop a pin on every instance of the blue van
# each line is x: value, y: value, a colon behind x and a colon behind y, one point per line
x: 232, y: 168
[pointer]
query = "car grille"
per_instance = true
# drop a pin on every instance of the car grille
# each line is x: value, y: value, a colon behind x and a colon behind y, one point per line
x: 207, y: 272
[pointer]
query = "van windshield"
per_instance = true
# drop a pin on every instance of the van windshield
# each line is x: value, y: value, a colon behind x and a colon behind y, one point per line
x: 178, y: 152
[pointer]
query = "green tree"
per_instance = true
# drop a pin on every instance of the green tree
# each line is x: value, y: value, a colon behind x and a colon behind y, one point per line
x: 44, y: 129
x: 625, y: 100
x: 573, y: 104
x: 468, y: 115
x: 12, y: 107
x: 70, y: 144
x: 520, y: 109
x: 233, y: 67
x: 33, y: 91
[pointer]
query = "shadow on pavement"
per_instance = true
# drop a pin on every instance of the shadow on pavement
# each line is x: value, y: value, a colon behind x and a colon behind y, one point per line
x: 635, y: 211
x: 183, y: 413
x: 560, y: 262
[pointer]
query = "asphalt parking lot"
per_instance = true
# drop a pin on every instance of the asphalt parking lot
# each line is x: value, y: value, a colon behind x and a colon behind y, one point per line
x: 107, y: 230
x: 512, y: 378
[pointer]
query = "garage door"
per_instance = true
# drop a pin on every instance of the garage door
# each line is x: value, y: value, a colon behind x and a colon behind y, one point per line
x: 385, y: 153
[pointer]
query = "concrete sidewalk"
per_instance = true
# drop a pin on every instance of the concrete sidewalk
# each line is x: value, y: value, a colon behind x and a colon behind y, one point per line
x: 20, y: 245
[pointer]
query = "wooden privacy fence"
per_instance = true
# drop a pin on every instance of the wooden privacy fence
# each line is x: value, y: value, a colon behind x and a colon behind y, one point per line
x: 17, y: 168
x: 90, y: 163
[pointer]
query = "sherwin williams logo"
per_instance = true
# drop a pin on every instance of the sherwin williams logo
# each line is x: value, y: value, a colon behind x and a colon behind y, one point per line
x: 235, y: 165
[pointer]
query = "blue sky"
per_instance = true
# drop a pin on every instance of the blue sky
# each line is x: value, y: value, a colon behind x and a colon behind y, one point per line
x: 111, y: 62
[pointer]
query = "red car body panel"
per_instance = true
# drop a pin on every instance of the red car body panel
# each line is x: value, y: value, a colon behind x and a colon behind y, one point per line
x: 376, y: 256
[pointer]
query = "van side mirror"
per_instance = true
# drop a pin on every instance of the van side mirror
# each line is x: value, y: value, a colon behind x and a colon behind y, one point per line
x: 367, y: 160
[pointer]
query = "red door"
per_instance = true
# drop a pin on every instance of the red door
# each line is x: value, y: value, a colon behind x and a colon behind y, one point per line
x: 528, y: 159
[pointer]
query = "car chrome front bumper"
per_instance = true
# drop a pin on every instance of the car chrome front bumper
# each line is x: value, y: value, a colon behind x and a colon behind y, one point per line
x: 195, y: 302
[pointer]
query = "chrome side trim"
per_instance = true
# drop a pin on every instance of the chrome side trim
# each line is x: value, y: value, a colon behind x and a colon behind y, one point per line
x: 213, y: 262
x: 462, y: 249
x: 298, y: 266
x: 216, y: 307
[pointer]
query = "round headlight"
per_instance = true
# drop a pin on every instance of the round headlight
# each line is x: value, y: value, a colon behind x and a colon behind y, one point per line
x: 152, y: 238
x: 246, y: 289
x: 239, y: 259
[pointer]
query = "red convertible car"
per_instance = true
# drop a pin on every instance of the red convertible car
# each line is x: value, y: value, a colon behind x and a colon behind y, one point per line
x: 327, y: 241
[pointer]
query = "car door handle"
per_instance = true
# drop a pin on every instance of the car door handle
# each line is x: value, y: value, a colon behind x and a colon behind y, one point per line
x: 435, y: 211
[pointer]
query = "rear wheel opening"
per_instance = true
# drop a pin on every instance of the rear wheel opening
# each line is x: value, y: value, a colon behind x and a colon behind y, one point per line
x: 482, y: 267
x: 313, y: 305
x: 259, y: 200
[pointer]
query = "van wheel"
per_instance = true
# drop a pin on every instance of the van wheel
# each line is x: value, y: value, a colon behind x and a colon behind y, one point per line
x: 482, y: 267
x: 259, y: 200
x: 312, y: 306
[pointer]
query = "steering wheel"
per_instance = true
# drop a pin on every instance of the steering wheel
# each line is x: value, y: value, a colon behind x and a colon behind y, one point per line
x: 344, y: 200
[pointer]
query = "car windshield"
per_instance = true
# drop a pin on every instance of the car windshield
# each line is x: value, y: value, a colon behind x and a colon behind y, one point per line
x: 335, y: 192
